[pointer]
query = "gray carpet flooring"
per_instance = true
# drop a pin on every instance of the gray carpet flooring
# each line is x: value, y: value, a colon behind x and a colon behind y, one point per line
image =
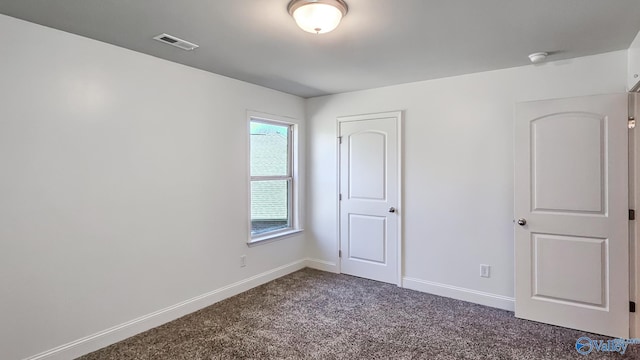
x: 316, y: 315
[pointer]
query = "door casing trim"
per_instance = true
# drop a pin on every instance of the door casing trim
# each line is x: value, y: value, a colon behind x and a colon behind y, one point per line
x: 634, y: 203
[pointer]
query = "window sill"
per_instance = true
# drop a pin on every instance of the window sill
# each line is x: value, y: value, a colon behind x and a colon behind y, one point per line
x: 259, y: 240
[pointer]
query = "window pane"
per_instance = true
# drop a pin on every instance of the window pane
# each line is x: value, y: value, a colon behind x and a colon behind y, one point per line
x: 269, y: 206
x: 269, y: 149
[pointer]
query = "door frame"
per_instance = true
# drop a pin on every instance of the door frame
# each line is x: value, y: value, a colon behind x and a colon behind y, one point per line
x: 399, y: 127
x: 634, y: 203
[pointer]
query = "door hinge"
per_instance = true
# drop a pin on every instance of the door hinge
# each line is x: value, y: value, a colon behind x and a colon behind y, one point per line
x: 632, y: 214
x: 339, y: 139
x: 632, y: 306
x: 340, y: 253
x: 340, y: 197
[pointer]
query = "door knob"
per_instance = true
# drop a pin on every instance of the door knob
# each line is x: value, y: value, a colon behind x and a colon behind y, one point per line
x: 392, y: 209
x: 522, y: 222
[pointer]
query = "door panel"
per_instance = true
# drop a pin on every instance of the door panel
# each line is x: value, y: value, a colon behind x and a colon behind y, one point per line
x: 367, y: 238
x: 367, y: 152
x: 369, y: 179
x: 568, y: 178
x: 571, y: 187
x: 551, y: 255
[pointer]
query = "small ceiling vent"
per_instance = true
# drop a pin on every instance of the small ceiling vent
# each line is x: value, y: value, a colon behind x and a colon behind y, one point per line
x: 174, y: 41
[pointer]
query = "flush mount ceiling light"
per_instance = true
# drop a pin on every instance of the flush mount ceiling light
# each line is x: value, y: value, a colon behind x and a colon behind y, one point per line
x: 317, y: 16
x: 538, y: 57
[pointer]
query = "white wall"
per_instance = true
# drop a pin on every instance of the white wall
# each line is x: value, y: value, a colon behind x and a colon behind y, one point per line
x: 123, y: 188
x: 633, y: 71
x: 458, y: 168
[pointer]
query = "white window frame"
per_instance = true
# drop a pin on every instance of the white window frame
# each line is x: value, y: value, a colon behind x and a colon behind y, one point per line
x: 292, y: 177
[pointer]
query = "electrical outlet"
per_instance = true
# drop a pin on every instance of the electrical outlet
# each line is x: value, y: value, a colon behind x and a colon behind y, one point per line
x: 485, y: 270
x: 243, y: 260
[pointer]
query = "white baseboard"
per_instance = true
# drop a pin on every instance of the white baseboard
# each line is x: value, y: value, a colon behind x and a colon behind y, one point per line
x: 322, y: 265
x: 474, y: 296
x: 120, y: 332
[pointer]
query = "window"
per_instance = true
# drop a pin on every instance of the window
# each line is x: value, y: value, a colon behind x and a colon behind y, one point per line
x: 272, y: 178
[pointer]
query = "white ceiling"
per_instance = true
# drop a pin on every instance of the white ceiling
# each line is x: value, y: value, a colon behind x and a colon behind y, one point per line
x: 379, y: 42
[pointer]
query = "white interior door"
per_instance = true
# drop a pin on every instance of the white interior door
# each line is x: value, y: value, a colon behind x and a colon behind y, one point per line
x: 369, y: 192
x: 571, y: 213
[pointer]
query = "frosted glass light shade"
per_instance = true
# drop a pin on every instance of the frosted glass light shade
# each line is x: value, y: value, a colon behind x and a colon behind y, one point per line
x: 317, y: 17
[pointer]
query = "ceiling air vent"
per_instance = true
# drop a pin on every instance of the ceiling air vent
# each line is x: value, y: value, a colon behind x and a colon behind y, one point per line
x: 174, y: 41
